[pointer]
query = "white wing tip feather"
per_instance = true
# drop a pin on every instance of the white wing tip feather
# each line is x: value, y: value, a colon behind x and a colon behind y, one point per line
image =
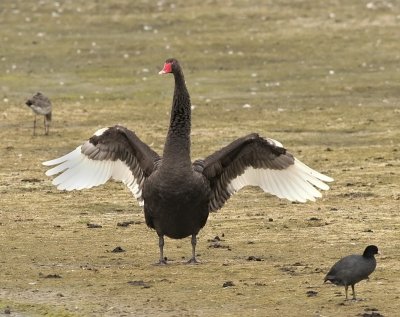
x: 75, y: 171
x: 64, y: 158
x: 298, y: 182
x: 312, y: 172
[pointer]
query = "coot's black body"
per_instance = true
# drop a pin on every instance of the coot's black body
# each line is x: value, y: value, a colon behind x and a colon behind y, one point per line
x: 352, y: 269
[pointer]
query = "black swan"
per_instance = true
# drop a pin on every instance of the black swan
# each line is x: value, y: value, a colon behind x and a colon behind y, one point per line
x: 177, y: 194
x: 40, y: 105
x: 353, y: 269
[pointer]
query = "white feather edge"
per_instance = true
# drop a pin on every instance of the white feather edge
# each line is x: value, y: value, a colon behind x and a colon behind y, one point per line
x: 77, y: 171
x: 298, y: 182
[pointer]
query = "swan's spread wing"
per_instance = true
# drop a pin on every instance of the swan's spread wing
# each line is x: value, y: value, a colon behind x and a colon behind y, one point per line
x: 114, y: 152
x: 255, y: 161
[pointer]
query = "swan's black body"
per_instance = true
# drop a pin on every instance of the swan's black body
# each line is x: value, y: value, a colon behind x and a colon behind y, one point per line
x: 178, y: 194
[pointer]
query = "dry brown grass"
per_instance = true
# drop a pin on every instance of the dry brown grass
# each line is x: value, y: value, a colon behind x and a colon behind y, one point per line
x: 321, y: 78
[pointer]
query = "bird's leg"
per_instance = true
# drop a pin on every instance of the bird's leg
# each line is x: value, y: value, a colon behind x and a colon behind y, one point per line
x: 162, y: 261
x: 194, y: 242
x: 34, y: 125
x: 354, y: 292
x: 46, y: 126
x: 346, y: 288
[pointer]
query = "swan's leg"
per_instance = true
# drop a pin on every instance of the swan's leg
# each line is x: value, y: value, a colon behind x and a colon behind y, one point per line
x: 161, y: 245
x: 354, y: 292
x: 194, y: 242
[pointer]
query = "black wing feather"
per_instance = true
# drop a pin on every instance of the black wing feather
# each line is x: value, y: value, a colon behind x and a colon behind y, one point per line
x: 231, y: 161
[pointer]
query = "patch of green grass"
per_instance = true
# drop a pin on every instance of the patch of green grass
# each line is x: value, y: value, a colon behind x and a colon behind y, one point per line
x: 20, y: 309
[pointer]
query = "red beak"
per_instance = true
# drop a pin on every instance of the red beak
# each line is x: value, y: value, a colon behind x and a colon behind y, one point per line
x: 167, y: 69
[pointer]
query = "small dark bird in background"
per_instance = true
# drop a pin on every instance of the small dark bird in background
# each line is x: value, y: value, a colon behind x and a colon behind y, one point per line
x: 40, y: 105
x: 353, y: 269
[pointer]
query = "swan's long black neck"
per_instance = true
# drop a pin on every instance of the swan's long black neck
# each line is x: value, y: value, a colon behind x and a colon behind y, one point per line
x: 177, y: 144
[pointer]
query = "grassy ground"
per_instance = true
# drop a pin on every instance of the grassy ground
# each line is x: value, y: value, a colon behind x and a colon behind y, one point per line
x: 320, y: 76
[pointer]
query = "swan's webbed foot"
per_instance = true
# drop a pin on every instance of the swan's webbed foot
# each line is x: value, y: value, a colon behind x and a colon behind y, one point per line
x: 161, y: 262
x: 193, y: 261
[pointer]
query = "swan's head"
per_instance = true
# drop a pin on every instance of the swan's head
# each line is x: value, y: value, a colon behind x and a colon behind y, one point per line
x: 170, y: 66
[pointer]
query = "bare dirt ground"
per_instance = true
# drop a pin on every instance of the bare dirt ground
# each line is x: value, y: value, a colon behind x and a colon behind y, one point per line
x: 321, y: 77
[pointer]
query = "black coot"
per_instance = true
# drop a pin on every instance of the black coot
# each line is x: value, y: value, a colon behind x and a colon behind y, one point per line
x: 353, y: 269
